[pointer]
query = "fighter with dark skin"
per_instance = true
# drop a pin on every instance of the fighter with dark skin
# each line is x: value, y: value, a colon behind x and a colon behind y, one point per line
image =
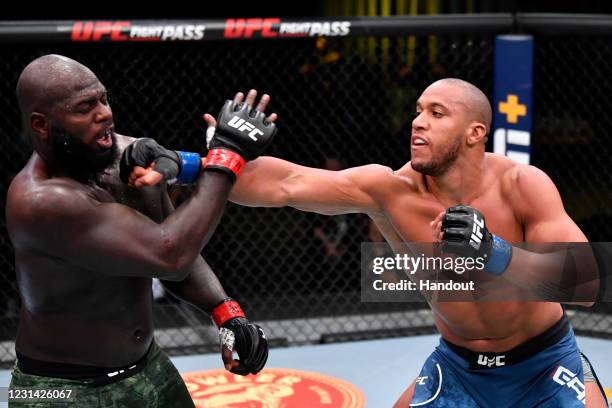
x: 86, y: 244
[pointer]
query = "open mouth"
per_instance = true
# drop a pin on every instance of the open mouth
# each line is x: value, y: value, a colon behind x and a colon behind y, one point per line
x: 418, y: 141
x: 106, y: 140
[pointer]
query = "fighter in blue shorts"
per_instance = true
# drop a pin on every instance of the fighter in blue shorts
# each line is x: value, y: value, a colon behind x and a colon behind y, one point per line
x: 448, y: 166
x: 546, y: 371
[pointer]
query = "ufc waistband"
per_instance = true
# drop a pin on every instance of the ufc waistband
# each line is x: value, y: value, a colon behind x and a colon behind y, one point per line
x: 522, y: 352
x: 97, y: 375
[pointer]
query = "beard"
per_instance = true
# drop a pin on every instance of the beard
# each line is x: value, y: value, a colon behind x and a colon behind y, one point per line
x: 440, y: 162
x: 81, y: 161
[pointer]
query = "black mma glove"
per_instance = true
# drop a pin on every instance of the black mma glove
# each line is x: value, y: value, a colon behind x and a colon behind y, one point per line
x: 465, y: 234
x: 174, y: 166
x: 242, y: 129
x: 242, y: 134
x: 236, y: 333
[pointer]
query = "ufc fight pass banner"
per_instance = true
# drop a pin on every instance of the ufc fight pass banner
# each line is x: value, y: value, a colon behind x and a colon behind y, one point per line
x: 92, y: 31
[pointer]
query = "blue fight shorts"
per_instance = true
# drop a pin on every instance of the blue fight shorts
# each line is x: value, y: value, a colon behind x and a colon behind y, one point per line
x: 546, y: 371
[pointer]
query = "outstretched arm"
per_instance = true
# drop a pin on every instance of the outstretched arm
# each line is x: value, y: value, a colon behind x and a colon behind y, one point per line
x: 272, y: 182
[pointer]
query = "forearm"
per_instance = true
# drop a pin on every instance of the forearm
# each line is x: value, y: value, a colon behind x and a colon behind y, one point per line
x: 568, y: 274
x: 263, y: 183
x: 201, y: 288
x: 539, y: 271
x: 187, y: 230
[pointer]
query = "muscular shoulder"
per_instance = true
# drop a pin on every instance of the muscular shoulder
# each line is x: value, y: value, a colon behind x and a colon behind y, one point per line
x: 381, y: 181
x: 410, y: 179
x: 522, y: 180
x: 373, y: 175
x: 38, y: 206
x: 49, y: 197
x: 528, y: 188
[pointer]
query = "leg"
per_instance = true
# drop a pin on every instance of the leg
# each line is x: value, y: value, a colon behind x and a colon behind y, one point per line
x: 594, y: 397
x: 170, y: 389
x: 437, y: 386
x: 405, y: 398
x: 78, y: 391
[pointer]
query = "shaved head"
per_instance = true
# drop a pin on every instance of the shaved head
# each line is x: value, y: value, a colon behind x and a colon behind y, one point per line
x: 49, y: 80
x: 476, y: 102
x: 66, y: 115
x: 453, y: 116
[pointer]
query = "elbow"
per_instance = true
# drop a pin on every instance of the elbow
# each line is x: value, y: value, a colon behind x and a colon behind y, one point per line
x: 181, y: 268
x: 174, y: 260
x: 175, y: 268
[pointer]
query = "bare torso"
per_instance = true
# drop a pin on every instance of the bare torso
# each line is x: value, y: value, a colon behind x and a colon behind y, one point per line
x: 479, y: 326
x: 71, y: 314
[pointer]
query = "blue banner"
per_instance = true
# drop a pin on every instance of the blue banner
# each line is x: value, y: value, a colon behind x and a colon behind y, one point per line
x: 513, y: 95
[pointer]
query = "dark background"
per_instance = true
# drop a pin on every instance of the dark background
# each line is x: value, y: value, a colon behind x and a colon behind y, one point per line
x: 224, y: 9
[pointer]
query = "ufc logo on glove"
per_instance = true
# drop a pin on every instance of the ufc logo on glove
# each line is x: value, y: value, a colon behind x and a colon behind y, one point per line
x: 242, y: 125
x: 476, y: 237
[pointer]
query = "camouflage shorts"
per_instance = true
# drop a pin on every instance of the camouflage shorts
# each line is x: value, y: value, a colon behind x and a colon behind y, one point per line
x: 158, y: 385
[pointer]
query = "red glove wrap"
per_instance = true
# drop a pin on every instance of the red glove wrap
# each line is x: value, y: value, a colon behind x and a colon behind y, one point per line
x: 226, y: 310
x: 225, y: 158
